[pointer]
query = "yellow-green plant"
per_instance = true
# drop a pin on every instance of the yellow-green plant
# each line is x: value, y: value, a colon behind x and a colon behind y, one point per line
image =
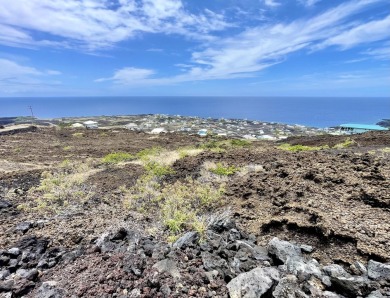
x: 347, y: 143
x: 240, y: 143
x: 62, y: 189
x: 224, y: 170
x: 117, y: 157
x: 296, y: 148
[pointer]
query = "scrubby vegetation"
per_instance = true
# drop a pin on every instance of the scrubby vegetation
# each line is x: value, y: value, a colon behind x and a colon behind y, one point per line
x: 224, y: 170
x: 296, y: 148
x: 347, y: 143
x: 117, y: 157
x: 61, y: 190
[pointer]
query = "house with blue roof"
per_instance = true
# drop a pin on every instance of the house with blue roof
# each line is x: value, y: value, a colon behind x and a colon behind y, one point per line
x: 360, y: 128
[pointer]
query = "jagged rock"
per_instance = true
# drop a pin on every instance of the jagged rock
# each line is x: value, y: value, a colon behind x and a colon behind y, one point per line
x: 352, y: 286
x: 6, y: 286
x: 375, y: 294
x: 22, y: 287
x: 4, y: 274
x: 377, y: 270
x: 258, y: 253
x: 27, y: 274
x: 213, y: 262
x: 4, y: 204
x: 24, y: 227
x: 313, y: 287
x: 187, y: 240
x: 6, y: 295
x: 14, y: 252
x: 327, y: 294
x: 135, y: 293
x: 254, y: 283
x: 234, y: 235
x: 49, y: 289
x: 335, y: 270
x: 358, y: 268
x: 302, y: 269
x: 168, y: 266
x: 221, y: 225
x: 288, y: 287
x: 306, y: 248
x: 283, y: 250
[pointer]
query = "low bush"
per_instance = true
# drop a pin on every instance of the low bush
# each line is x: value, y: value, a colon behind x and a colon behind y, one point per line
x: 240, y: 143
x: 117, y: 157
x: 224, y: 170
x: 296, y: 148
x: 347, y: 143
x: 180, y: 205
x: 61, y: 191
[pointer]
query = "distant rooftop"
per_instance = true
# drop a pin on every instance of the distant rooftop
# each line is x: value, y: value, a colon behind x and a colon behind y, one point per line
x: 363, y: 126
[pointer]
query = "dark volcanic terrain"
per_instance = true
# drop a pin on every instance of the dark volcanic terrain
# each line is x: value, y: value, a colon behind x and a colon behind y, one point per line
x: 73, y: 224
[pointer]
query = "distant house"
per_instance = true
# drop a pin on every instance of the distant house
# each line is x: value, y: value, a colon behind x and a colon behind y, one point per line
x: 158, y: 130
x: 131, y: 126
x: 90, y: 124
x: 202, y: 132
x: 359, y: 128
x: 77, y: 125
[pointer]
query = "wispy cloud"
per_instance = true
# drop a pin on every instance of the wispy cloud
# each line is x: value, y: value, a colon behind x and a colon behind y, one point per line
x: 364, y: 33
x: 15, y: 77
x: 260, y: 47
x: 309, y: 3
x: 99, y: 24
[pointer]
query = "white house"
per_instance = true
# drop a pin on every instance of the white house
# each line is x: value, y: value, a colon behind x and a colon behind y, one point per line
x: 77, y: 125
x: 158, y: 130
x: 131, y: 126
x: 202, y: 132
x: 90, y: 124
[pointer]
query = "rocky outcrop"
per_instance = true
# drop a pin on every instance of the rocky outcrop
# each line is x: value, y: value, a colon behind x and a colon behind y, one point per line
x: 224, y: 262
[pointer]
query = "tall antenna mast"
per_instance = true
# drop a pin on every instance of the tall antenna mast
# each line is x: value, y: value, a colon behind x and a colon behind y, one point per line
x: 32, y: 114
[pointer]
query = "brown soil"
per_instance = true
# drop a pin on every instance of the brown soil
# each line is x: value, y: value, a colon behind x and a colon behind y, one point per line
x: 336, y: 200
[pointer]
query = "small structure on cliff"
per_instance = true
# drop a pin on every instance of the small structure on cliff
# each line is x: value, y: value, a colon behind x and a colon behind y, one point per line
x: 359, y: 128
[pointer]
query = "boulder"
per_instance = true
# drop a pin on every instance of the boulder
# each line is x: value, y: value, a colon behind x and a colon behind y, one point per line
x: 302, y: 269
x: 24, y: 227
x: 168, y: 266
x: 254, y: 283
x: 50, y: 289
x: 214, y: 262
x: 378, y: 271
x: 375, y: 294
x: 4, y: 204
x: 187, y: 240
x: 283, y: 250
x: 335, y: 270
x: 352, y: 286
x: 288, y: 287
x: 358, y: 268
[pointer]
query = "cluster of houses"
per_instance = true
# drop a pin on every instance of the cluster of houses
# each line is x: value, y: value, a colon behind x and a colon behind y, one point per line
x: 237, y: 128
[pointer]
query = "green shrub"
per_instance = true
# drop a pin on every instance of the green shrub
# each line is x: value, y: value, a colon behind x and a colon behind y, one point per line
x: 158, y: 170
x: 296, y: 148
x: 147, y: 153
x: 240, y: 143
x: 117, y: 157
x: 223, y: 170
x: 347, y: 143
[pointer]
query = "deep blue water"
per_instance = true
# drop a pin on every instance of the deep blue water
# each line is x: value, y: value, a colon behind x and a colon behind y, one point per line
x: 318, y: 112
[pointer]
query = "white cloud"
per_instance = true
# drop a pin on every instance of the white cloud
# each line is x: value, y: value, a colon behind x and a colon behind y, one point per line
x: 129, y: 76
x: 98, y: 24
x: 17, y: 78
x: 364, y: 33
x: 271, y: 3
x: 381, y: 53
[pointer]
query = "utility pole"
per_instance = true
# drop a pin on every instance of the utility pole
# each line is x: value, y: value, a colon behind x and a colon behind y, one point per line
x: 32, y: 114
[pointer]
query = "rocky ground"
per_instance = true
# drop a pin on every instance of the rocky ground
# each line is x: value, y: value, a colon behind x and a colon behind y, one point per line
x: 290, y: 224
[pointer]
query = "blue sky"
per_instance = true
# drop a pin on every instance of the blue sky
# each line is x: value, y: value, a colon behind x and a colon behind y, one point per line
x: 182, y: 47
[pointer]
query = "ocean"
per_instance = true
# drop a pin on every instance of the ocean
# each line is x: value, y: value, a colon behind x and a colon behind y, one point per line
x: 310, y: 111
